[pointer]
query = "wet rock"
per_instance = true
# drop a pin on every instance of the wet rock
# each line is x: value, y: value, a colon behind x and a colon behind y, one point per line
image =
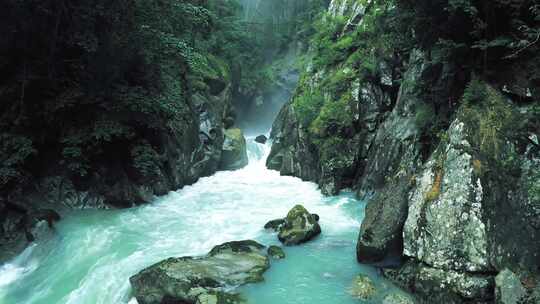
x: 275, y: 224
x: 442, y: 285
x: 362, y: 287
x: 261, y: 139
x: 508, y: 288
x: 298, y: 227
x: 381, y: 230
x: 205, y: 279
x: 276, y: 252
x: 234, y: 154
x: 33, y: 219
x: 397, y: 298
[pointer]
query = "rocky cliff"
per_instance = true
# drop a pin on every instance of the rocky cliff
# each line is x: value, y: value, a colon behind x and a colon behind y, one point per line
x: 176, y: 158
x: 452, y: 188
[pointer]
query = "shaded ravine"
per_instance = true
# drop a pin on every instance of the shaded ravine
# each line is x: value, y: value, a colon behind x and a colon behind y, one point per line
x: 93, y: 253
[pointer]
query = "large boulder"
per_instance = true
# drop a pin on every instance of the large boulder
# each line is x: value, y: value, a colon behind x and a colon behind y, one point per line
x: 207, y: 279
x: 381, y: 230
x: 298, y: 227
x: 445, y: 227
x: 234, y: 154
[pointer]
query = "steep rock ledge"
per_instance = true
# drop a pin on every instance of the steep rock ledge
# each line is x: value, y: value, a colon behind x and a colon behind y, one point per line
x: 450, y: 210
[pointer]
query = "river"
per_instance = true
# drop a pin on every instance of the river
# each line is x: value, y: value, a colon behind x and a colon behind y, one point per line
x: 92, y: 254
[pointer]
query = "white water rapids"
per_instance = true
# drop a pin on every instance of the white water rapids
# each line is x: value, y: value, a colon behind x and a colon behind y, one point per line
x: 93, y: 253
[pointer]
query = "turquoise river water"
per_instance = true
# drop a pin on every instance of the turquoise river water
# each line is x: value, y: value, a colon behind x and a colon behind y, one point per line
x: 93, y: 253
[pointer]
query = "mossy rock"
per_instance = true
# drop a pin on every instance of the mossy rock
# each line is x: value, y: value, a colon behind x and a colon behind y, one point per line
x: 363, y: 287
x: 397, y: 298
x: 276, y: 252
x: 202, y: 280
x: 298, y: 227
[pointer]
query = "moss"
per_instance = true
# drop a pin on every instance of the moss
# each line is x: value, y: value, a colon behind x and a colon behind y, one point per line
x: 333, y: 116
x: 477, y: 166
x: 491, y: 121
x: 435, y: 190
x: 307, y: 105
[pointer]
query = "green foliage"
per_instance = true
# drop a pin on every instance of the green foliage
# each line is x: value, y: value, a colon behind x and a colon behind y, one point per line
x: 14, y: 151
x: 491, y: 123
x: 333, y: 115
x: 307, y: 105
x: 146, y: 160
x: 86, y: 80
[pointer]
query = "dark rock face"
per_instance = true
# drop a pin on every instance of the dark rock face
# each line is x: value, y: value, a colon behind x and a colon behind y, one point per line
x: 443, y: 286
x: 298, y: 227
x: 460, y: 215
x: 292, y: 153
x: 261, y: 139
x: 204, y: 279
x: 187, y: 152
x: 382, y: 228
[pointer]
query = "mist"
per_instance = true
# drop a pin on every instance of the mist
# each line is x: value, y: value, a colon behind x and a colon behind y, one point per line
x: 274, y: 20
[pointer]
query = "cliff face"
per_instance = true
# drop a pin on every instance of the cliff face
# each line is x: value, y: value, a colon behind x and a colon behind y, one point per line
x: 191, y: 150
x: 455, y: 209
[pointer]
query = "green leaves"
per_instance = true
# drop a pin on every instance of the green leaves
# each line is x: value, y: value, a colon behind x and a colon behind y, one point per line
x: 14, y: 151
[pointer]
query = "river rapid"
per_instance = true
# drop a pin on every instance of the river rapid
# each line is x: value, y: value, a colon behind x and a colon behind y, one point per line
x: 92, y: 254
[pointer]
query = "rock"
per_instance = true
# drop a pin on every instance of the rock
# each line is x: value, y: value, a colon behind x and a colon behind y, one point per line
x: 508, y: 288
x: 381, y: 230
x: 441, y: 285
x: 234, y: 155
x: 205, y: 279
x: 34, y: 218
x: 447, y: 199
x: 362, y: 287
x: 397, y: 298
x: 228, y: 122
x: 261, y: 139
x: 274, y: 224
x: 298, y: 227
x: 276, y: 252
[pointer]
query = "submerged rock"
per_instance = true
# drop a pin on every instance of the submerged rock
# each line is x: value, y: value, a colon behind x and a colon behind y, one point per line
x: 508, y: 288
x: 261, y: 139
x: 234, y: 154
x: 397, y: 298
x: 276, y: 252
x: 298, y: 227
x: 363, y: 287
x: 206, y: 279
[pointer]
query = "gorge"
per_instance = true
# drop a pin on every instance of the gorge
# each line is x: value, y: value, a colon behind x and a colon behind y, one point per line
x: 131, y: 135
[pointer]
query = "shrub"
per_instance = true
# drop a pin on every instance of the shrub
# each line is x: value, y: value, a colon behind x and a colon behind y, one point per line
x: 308, y: 105
x: 335, y: 114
